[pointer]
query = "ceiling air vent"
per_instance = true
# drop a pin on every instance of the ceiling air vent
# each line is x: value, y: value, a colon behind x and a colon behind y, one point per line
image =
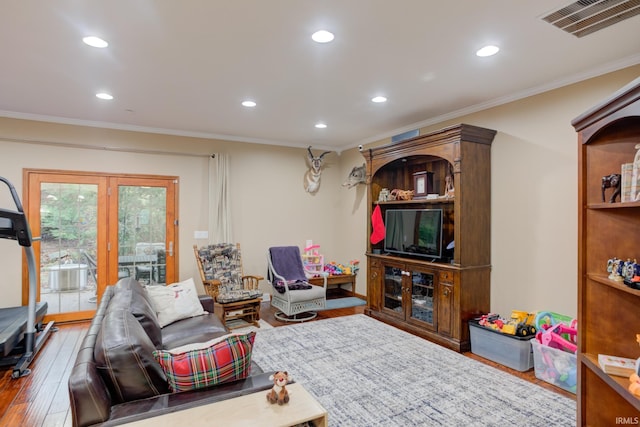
x: 588, y: 16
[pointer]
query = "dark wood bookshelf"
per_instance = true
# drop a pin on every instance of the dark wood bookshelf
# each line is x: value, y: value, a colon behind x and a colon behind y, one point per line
x: 608, y: 315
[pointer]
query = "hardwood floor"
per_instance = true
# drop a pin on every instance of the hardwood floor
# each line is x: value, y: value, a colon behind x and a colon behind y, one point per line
x: 41, y: 399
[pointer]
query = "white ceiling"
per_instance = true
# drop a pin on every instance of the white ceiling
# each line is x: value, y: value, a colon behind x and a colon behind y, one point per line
x: 183, y: 67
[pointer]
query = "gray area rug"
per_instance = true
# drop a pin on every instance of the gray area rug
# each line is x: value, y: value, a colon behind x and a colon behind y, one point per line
x: 367, y: 373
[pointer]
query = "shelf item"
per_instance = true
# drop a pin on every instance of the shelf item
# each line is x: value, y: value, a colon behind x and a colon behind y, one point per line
x: 607, y: 310
x: 626, y: 171
x: 429, y: 296
x: 615, y: 365
x: 423, y: 184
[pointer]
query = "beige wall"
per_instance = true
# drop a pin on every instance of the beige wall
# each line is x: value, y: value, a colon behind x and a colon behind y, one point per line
x: 534, y: 192
x: 534, y: 195
x: 269, y: 204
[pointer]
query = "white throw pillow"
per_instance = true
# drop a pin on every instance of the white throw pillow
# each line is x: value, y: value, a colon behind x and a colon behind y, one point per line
x: 175, y: 302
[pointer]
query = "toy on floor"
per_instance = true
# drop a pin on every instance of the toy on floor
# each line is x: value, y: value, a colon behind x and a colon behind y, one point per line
x: 491, y: 321
x: 278, y: 392
x: 545, y: 319
x: 551, y: 336
x: 520, y: 323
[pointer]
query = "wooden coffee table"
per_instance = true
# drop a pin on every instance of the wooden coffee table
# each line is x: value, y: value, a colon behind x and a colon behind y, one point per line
x: 250, y: 410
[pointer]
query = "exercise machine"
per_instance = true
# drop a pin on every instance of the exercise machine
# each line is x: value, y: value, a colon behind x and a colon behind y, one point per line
x: 21, y: 332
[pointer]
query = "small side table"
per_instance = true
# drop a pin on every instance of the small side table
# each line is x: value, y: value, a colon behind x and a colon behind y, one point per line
x: 247, y: 310
x: 338, y: 279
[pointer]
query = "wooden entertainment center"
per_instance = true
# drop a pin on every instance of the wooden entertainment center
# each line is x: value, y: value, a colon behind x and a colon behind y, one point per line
x: 434, y: 297
x: 608, y: 310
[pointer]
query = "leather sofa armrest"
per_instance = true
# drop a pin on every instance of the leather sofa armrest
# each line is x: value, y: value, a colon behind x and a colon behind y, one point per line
x: 207, y: 302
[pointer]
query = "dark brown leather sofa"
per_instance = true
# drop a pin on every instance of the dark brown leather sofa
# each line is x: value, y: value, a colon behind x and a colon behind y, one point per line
x: 115, y: 379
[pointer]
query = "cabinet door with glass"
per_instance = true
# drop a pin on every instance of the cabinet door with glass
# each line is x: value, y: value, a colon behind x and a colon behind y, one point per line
x: 409, y: 294
x: 394, y: 289
x: 422, y: 303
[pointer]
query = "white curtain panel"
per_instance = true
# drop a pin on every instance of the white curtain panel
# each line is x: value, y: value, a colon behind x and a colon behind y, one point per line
x: 219, y: 200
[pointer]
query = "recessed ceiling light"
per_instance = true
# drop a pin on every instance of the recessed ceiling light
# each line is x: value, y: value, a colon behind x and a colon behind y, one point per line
x: 488, y: 50
x: 95, y: 41
x: 322, y: 36
x: 321, y: 125
x: 249, y: 103
x: 379, y: 99
x: 104, y: 95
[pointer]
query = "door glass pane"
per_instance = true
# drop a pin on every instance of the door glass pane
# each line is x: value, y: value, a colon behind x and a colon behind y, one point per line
x: 422, y: 296
x: 68, y: 229
x: 142, y: 233
x: 393, y: 288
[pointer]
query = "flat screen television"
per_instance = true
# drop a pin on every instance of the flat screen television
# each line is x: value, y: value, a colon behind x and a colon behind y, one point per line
x: 415, y: 232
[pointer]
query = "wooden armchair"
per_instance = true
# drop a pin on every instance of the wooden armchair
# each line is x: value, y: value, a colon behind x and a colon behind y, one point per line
x: 220, y: 267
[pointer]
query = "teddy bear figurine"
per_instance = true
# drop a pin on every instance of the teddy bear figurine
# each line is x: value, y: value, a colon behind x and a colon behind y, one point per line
x: 278, y: 392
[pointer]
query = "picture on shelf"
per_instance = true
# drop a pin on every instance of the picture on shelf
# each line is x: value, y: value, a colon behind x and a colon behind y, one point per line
x: 422, y: 183
x: 420, y: 186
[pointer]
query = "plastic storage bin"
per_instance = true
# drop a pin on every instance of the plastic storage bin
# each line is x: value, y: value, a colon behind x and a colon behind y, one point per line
x: 555, y: 366
x: 508, y: 350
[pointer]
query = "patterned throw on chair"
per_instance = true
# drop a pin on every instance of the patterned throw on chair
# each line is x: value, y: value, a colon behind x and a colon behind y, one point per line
x: 221, y: 265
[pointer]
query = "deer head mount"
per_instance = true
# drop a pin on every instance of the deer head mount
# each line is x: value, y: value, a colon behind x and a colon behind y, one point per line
x: 357, y: 176
x: 312, y: 177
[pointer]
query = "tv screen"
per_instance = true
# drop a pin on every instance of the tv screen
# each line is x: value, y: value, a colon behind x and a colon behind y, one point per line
x: 415, y: 232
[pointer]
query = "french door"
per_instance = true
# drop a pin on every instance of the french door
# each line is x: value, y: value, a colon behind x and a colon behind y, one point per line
x: 95, y: 229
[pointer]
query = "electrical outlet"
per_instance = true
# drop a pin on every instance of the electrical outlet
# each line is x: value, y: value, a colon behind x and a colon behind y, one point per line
x: 200, y: 234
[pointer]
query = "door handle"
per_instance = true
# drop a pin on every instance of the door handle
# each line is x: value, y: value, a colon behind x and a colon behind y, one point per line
x: 171, y: 248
